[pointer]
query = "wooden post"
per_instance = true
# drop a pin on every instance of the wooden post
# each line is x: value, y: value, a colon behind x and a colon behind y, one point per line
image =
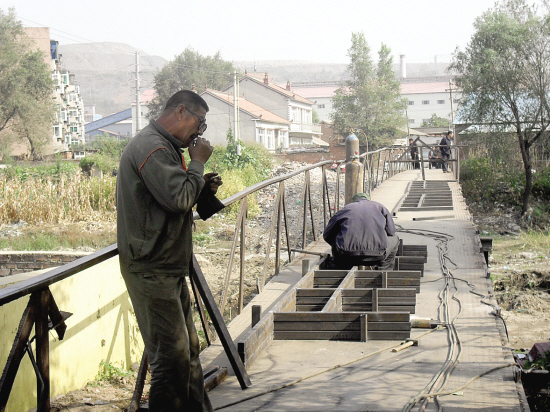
x: 256, y: 314
x: 305, y: 266
x: 42, y: 350
x: 219, y: 325
x: 363, y: 326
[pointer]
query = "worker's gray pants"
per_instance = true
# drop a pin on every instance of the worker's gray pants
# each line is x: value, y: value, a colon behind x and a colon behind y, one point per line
x: 380, y: 263
x: 163, y: 310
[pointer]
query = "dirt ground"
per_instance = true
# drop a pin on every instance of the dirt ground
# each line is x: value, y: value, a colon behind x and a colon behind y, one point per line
x: 521, y: 280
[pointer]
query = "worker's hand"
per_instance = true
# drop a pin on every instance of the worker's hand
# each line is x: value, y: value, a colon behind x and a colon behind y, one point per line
x: 200, y: 149
x: 214, y: 181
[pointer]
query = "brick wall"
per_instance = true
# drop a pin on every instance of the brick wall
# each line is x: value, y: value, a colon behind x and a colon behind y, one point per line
x: 12, y: 263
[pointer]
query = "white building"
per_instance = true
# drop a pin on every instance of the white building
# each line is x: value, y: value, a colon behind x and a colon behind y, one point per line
x: 68, y: 126
x: 256, y: 123
x: 429, y: 96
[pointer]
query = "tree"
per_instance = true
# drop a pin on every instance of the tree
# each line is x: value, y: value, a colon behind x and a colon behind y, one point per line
x: 370, y: 101
x: 435, y: 121
x: 189, y: 70
x: 26, y: 109
x: 505, y: 76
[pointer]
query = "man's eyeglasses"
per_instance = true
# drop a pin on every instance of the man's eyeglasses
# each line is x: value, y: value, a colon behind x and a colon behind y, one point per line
x: 202, y: 120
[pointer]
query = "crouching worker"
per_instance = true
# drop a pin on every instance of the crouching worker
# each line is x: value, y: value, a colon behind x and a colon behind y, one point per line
x: 362, y: 234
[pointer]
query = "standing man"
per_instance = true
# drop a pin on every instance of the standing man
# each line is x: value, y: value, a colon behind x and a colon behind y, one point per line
x: 156, y: 192
x: 446, y: 150
x: 414, y: 153
x: 362, y: 234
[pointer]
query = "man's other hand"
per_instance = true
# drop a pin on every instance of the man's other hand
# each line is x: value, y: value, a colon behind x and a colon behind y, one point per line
x: 200, y: 149
x: 214, y: 181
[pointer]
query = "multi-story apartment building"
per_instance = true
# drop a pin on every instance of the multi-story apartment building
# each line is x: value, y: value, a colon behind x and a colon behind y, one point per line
x: 68, y: 126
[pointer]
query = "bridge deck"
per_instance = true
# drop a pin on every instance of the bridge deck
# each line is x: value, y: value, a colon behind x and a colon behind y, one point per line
x: 360, y: 376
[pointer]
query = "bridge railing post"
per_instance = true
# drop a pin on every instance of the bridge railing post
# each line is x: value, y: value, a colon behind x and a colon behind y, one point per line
x: 353, y: 167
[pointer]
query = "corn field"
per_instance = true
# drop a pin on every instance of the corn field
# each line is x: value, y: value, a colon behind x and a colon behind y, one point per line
x: 67, y: 198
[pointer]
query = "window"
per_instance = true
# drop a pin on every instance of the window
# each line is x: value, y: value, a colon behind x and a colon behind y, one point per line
x: 425, y: 102
x: 320, y: 106
x: 411, y: 103
x: 296, y: 115
x: 456, y: 101
x: 411, y: 121
x: 260, y: 138
x: 425, y: 120
x: 441, y: 102
x: 283, y: 138
x: 270, y: 134
x: 57, y: 131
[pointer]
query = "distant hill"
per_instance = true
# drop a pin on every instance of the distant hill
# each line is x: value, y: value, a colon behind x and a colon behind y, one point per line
x: 106, y: 72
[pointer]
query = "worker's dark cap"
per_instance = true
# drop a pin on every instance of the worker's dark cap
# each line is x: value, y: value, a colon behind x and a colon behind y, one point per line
x: 358, y: 196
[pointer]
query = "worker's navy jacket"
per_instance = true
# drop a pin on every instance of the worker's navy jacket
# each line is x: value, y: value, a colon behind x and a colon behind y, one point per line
x: 360, y: 229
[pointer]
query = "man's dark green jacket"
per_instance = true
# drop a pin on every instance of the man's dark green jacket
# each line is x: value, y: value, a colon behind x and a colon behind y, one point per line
x: 155, y: 197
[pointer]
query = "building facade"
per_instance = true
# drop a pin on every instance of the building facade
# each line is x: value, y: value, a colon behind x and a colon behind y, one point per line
x: 68, y: 125
x: 255, y: 124
x: 284, y: 103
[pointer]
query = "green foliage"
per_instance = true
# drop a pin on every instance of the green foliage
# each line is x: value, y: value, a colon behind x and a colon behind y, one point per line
x: 111, y: 373
x: 108, y: 155
x: 484, y: 178
x: 435, y: 121
x: 541, y: 363
x: 26, y: 109
x: 504, y: 76
x: 189, y: 69
x: 43, y: 172
x: 370, y: 102
x: 541, y: 186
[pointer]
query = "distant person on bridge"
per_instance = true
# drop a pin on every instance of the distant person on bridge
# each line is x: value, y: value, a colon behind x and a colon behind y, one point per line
x: 446, y: 151
x: 156, y: 192
x: 362, y: 234
x: 414, y: 153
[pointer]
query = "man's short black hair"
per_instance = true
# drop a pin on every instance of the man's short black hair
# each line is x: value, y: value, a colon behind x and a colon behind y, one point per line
x: 449, y: 132
x: 188, y: 98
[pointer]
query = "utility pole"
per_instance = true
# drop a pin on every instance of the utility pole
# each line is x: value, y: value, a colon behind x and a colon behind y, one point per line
x: 236, y: 132
x: 138, y: 103
x: 450, y: 90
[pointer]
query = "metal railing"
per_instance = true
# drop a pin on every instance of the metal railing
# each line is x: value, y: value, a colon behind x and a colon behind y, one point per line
x: 311, y: 220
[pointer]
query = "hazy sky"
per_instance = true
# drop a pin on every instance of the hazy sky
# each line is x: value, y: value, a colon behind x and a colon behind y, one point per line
x: 313, y: 30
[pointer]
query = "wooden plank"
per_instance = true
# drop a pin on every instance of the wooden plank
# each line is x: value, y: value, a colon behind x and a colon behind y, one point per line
x: 319, y: 335
x: 310, y: 308
x: 316, y: 326
x: 314, y: 292
x: 316, y: 317
x: 406, y: 274
x: 403, y: 283
x: 389, y: 326
x: 334, y: 304
x: 406, y: 309
x: 330, y: 273
x: 383, y: 335
x: 259, y: 332
x: 388, y: 317
x: 348, y: 281
x: 359, y: 299
x: 368, y: 283
x: 327, y: 282
x: 322, y: 300
x: 367, y: 307
x: 352, y: 293
x: 397, y: 301
x: 397, y: 292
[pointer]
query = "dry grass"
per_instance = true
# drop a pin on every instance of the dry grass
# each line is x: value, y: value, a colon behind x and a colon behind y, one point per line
x: 71, y: 198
